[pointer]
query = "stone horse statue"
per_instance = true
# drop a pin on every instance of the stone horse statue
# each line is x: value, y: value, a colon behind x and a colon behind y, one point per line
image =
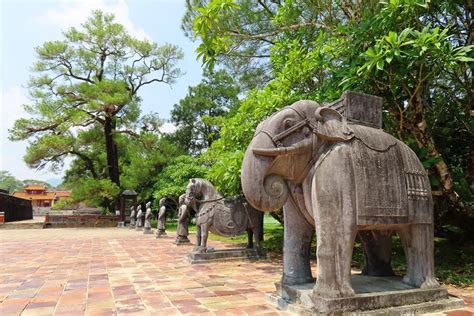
x: 222, y: 216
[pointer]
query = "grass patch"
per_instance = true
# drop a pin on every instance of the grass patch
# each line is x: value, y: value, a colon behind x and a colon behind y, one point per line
x: 454, y: 262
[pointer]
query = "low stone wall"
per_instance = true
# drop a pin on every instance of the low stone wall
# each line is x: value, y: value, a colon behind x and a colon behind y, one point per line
x: 47, y: 210
x: 83, y: 220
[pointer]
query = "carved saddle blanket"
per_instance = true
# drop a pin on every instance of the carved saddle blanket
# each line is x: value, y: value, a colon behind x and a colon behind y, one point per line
x: 227, y: 217
x: 391, y: 184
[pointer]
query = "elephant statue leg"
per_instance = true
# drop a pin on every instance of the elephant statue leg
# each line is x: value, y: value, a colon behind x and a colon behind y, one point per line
x: 417, y: 242
x: 334, y: 207
x: 257, y: 221
x: 296, y: 246
x: 377, y: 246
x: 249, y: 238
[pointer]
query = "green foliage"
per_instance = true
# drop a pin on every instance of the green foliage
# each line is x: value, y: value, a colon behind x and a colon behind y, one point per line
x: 143, y: 161
x: 95, y: 192
x: 9, y: 182
x: 64, y: 204
x: 85, y: 104
x: 174, y: 178
x: 12, y: 184
x: 195, y: 114
x: 415, y: 54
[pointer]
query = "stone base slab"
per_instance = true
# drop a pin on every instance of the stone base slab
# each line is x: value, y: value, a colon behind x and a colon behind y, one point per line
x: 374, y: 295
x: 226, y: 255
x: 182, y: 242
x: 161, y: 234
x: 148, y: 231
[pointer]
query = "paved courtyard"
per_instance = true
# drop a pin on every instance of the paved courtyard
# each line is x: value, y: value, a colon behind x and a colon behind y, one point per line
x: 108, y: 271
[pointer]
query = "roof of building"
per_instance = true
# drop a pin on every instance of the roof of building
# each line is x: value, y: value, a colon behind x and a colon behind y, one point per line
x: 63, y: 194
x: 24, y: 195
x: 129, y: 192
x: 35, y: 187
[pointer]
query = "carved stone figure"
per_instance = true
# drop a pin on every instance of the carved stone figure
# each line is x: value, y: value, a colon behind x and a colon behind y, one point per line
x: 338, y: 177
x: 147, y: 226
x: 161, y: 219
x: 139, y: 222
x: 184, y: 217
x: 222, y: 216
x: 132, y: 217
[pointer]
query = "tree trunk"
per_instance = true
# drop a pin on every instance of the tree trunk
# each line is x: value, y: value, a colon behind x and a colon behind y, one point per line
x: 425, y: 140
x: 111, y: 150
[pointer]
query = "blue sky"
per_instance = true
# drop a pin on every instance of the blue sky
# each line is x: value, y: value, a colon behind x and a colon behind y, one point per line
x: 26, y: 24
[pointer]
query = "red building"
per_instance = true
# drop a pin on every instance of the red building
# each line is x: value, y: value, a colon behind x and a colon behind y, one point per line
x: 40, y: 196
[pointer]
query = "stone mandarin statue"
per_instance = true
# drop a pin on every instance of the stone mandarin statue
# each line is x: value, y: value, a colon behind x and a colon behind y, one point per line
x: 139, y: 222
x: 147, y: 226
x: 336, y: 177
x: 132, y: 217
x: 161, y: 219
x: 184, y: 218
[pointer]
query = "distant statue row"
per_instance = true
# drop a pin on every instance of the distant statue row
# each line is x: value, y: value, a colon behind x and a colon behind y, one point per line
x: 214, y: 213
x: 142, y: 221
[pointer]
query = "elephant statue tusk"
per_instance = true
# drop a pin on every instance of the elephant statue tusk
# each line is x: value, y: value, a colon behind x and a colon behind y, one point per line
x: 298, y: 148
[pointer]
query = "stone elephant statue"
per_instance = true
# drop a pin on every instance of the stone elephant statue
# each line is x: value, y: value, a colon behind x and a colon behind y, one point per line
x: 336, y: 178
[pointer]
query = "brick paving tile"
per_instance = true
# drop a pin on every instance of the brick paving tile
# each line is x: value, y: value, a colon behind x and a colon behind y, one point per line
x: 113, y: 271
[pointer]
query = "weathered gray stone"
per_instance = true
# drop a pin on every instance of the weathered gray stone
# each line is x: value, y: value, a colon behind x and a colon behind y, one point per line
x: 184, y: 218
x: 371, y: 294
x: 337, y: 177
x: 133, y: 217
x: 140, y: 217
x: 222, y: 216
x: 147, y: 227
x: 222, y: 255
x: 161, y: 231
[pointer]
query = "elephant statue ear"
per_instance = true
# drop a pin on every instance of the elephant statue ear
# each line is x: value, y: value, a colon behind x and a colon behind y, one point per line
x: 331, y: 125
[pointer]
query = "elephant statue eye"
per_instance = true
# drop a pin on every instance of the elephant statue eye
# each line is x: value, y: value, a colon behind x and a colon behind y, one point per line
x: 288, y: 123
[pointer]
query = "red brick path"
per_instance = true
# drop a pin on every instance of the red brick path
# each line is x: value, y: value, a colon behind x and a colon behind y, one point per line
x: 108, y: 271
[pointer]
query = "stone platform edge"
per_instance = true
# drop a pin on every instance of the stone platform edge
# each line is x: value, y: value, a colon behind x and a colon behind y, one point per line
x: 450, y: 303
x: 225, y: 255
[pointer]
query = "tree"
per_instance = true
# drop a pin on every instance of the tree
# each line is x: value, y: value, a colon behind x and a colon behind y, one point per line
x: 216, y: 95
x: 9, y: 182
x: 144, y: 163
x: 174, y: 178
x: 12, y: 184
x: 242, y: 51
x: 90, y: 80
x: 415, y: 54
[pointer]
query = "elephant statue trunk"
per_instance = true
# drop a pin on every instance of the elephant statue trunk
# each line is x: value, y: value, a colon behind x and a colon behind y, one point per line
x: 264, y: 192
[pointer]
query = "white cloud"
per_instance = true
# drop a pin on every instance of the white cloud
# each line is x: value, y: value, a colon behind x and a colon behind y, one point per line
x: 168, y: 128
x: 11, y: 153
x: 72, y: 13
x: 11, y: 107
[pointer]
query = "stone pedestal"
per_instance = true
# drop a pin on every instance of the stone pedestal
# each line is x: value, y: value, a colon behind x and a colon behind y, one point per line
x: 181, y: 241
x: 226, y: 255
x: 138, y: 228
x: 121, y: 224
x: 374, y: 295
x: 147, y: 230
x: 131, y: 226
x: 160, y: 233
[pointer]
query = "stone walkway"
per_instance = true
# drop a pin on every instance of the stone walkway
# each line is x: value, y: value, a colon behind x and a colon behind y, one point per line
x: 108, y: 271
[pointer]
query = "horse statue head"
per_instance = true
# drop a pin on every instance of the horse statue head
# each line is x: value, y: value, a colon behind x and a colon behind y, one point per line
x: 199, y: 190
